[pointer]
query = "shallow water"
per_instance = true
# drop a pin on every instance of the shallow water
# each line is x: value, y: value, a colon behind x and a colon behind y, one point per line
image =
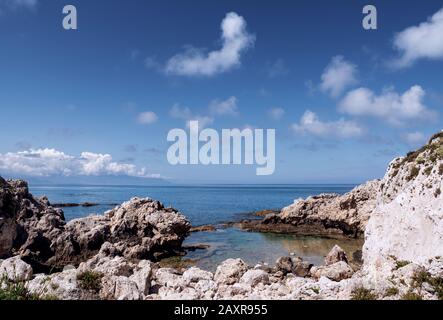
x: 212, y: 205
x: 255, y: 247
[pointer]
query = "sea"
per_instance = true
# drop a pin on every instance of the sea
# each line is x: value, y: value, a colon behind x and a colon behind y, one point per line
x: 214, y: 204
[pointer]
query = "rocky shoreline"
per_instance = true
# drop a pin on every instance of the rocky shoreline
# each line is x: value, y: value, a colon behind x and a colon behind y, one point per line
x: 114, y: 256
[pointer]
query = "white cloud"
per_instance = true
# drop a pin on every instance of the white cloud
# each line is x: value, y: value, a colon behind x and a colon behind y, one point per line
x: 47, y: 162
x: 147, y: 117
x: 424, y: 41
x: 311, y: 124
x: 389, y: 106
x: 225, y: 107
x: 235, y: 40
x: 414, y: 138
x: 276, y: 113
x: 338, y: 76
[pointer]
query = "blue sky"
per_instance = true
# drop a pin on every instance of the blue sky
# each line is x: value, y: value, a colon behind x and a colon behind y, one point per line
x: 344, y: 101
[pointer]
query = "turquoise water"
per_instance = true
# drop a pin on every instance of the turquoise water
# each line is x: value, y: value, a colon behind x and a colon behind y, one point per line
x: 211, y: 205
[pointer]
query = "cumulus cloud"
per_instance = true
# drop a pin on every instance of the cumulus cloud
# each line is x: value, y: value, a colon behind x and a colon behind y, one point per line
x: 310, y: 123
x: 414, y: 138
x: 224, y: 107
x: 49, y: 162
x: 147, y: 117
x: 276, y: 113
x: 235, y: 40
x: 389, y: 105
x: 338, y: 76
x: 424, y: 41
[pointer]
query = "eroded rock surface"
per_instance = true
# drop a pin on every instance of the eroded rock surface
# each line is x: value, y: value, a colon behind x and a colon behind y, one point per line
x: 324, y: 214
x: 39, y: 234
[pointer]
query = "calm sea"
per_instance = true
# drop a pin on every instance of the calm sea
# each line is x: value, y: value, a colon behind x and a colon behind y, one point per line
x: 208, y: 204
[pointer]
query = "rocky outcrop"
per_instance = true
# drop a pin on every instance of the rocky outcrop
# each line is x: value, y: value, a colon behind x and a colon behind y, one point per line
x: 38, y: 232
x: 324, y: 214
x: 408, y: 220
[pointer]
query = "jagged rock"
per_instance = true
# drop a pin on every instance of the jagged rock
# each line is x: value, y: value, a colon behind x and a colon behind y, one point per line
x: 335, y: 255
x: 194, y: 274
x: 61, y: 286
x: 302, y: 268
x: 168, y: 277
x: 119, y: 288
x: 284, y: 264
x: 15, y: 269
x: 116, y: 266
x: 254, y: 277
x: 230, y: 271
x: 408, y: 221
x: 324, y: 214
x: 33, y: 229
x: 142, y: 276
x: 336, y: 272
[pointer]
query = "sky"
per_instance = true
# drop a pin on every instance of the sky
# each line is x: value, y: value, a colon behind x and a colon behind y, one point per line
x: 100, y: 100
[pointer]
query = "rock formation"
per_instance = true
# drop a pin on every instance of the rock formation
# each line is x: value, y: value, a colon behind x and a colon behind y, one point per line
x: 324, y: 214
x: 407, y: 222
x: 33, y: 229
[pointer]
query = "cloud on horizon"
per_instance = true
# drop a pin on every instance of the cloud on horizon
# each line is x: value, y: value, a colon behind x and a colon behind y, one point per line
x: 194, y: 62
x: 51, y: 162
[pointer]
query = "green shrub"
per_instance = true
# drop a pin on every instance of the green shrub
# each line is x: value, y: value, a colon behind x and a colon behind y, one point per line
x: 401, y: 263
x: 428, y: 170
x: 413, y: 173
x: 11, y: 290
x: 90, y: 280
x: 362, y: 293
x: 420, y: 160
x: 392, y: 291
x: 411, y: 296
x: 436, y: 283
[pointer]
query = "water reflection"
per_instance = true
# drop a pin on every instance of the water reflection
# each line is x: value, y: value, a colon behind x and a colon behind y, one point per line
x: 256, y: 248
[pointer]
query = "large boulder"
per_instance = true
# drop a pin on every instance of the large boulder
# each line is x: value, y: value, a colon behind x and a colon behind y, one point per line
x: 230, y: 271
x: 15, y: 269
x: 253, y: 277
x: 335, y: 255
x: 336, y: 272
